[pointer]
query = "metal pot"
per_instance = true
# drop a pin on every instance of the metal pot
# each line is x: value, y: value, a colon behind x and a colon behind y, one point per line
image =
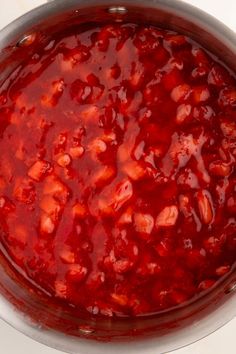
x: 30, y: 312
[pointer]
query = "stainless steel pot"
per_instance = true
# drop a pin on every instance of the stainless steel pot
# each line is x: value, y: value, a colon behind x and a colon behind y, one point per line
x: 29, y: 312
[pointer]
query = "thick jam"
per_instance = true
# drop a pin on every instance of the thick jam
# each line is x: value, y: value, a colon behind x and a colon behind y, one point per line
x: 117, y: 169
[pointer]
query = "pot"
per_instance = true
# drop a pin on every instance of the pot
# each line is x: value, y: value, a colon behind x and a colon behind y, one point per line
x: 30, y: 311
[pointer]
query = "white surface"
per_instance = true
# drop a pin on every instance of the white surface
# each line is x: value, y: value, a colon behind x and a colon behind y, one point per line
x: 220, y: 342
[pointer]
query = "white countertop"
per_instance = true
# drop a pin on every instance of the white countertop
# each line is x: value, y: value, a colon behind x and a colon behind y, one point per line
x: 222, y: 341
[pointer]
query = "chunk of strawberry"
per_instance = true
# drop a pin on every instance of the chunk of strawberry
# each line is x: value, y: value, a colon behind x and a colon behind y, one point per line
x: 79, y: 210
x: 123, y: 193
x: 227, y: 97
x: 97, y: 147
x: 143, y: 223
x: 76, y: 152
x: 20, y: 235
x: 183, y: 112
x: 199, y: 72
x: 181, y: 93
x: 134, y: 170
x: 220, y: 169
x: 214, y: 245
x: 96, y: 279
x: 126, y: 217
x: 24, y: 191
x: 50, y: 206
x: 64, y: 160
x: 231, y: 204
x: 203, y: 113
x: 120, y: 299
x: 221, y: 271
x: 172, y: 79
x: 206, y: 284
x: 6, y: 205
x: 67, y: 255
x: 104, y: 174
x: 81, y: 91
x: 176, y: 40
x: 76, y: 273
x: 201, y: 57
x: 54, y: 94
x: 122, y: 266
x: 104, y: 207
x: 219, y: 76
x: 39, y: 170
x: 47, y: 224
x: 205, y: 206
x: 60, y: 289
x: 200, y: 94
x: 167, y: 217
x: 228, y: 128
x: 90, y: 113
x: 54, y: 187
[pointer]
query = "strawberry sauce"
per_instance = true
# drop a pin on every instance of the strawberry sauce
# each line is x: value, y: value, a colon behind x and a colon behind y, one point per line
x: 117, y: 169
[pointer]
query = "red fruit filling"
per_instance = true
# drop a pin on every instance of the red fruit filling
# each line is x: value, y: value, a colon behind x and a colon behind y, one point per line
x: 117, y: 169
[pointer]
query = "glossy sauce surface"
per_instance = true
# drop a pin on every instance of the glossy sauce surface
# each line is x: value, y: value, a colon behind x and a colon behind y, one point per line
x: 117, y: 169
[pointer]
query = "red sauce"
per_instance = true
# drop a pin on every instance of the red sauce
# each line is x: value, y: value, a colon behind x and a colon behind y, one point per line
x: 117, y: 169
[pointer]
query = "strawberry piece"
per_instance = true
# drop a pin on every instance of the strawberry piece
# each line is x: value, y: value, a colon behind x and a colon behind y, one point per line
x: 228, y: 128
x: 126, y: 217
x: 227, y: 97
x: 64, y: 160
x: 172, y: 79
x: 54, y: 187
x: 123, y: 193
x: 50, y: 206
x: 201, y: 58
x: 20, y: 235
x: 183, y: 112
x: 214, y: 245
x: 60, y: 289
x: 220, y: 168
x: 181, y: 93
x: 206, y: 284
x: 134, y: 170
x: 39, y: 170
x: 231, y: 204
x: 54, y: 94
x: 24, y: 191
x: 176, y: 40
x: 200, y: 94
x: 76, y: 152
x: 205, y: 206
x: 143, y: 223
x: 67, y: 256
x: 79, y: 210
x: 120, y: 299
x: 104, y: 174
x: 203, y: 113
x: 167, y: 217
x: 219, y: 76
x: 221, y: 271
x: 76, y: 273
x: 47, y: 225
x: 97, y: 147
x: 122, y: 266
